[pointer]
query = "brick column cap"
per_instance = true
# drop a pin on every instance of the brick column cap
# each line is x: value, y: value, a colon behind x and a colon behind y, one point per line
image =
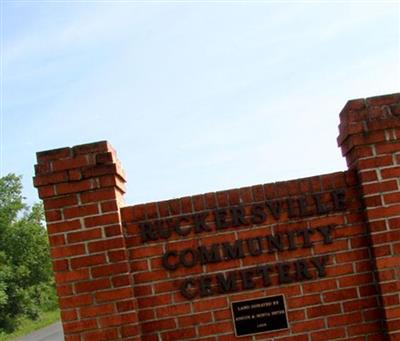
x: 68, y: 152
x: 364, y: 115
x: 78, y: 164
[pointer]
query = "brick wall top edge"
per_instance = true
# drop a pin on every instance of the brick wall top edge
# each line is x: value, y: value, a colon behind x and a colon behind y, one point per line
x: 66, y: 152
x: 281, y: 189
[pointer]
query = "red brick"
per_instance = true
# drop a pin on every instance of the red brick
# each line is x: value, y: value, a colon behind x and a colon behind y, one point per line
x: 391, y: 198
x: 98, y: 195
x: 92, y: 285
x: 388, y: 173
x: 53, y: 215
x: 180, y: 334
x: 380, y: 187
x: 177, y: 309
x: 53, y: 154
x: 71, y: 276
x: 340, y: 295
x: 77, y: 162
x: 63, y: 226
x: 344, y: 319
x: 85, y: 261
x: 125, y: 305
x: 214, y: 303
x: 130, y: 331
x: 117, y: 320
x: 46, y: 191
x: 77, y: 326
x: 194, y: 319
x: 323, y: 310
x: 60, y: 202
x: 121, y: 281
x: 109, y: 269
x: 383, y: 212
x: 64, y: 290
x: 60, y: 265
x: 376, y: 162
x: 101, y: 335
x: 52, y: 178
x: 221, y: 327
x: 109, y: 206
x: 57, y: 240
x: 75, y: 301
x: 80, y: 236
x: 68, y: 250
x: 114, y: 294
x: 296, y: 302
x: 96, y: 310
x: 330, y: 334
x: 105, y: 219
x: 69, y: 315
x: 364, y: 303
x: 363, y: 329
x: 158, y: 325
x: 305, y: 326
x: 106, y: 244
x: 80, y: 211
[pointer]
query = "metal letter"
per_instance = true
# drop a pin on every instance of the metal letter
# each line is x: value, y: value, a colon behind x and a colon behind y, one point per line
x: 275, y: 208
x: 247, y: 279
x: 319, y: 263
x: 184, y: 288
x: 339, y: 199
x: 188, y: 263
x: 283, y: 270
x: 254, y: 250
x: 147, y: 232
x: 200, y: 224
x: 301, y: 270
x: 326, y: 233
x: 233, y: 252
x: 166, y: 263
x: 228, y: 284
x: 238, y: 216
x: 274, y: 242
x: 205, y: 286
x: 258, y: 214
x: 220, y: 219
x: 209, y: 256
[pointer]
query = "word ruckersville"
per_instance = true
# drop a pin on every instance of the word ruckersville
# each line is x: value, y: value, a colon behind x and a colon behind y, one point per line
x: 236, y: 216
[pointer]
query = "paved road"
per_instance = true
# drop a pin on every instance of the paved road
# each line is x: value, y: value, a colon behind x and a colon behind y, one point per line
x: 51, y: 333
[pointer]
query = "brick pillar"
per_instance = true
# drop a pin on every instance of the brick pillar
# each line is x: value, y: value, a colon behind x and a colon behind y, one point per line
x: 82, y: 190
x: 370, y: 140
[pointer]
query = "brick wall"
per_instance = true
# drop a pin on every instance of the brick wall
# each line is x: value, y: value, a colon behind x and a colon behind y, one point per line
x: 170, y: 270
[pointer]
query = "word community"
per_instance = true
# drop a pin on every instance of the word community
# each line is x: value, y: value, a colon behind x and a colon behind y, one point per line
x: 226, y: 251
x: 238, y: 216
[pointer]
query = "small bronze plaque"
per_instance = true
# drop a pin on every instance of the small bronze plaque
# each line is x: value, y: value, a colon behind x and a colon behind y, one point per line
x: 259, y: 315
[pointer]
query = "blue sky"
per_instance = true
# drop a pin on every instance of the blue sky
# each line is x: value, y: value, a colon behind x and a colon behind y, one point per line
x: 194, y: 96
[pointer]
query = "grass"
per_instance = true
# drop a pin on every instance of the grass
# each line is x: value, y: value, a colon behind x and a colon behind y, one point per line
x: 28, y: 326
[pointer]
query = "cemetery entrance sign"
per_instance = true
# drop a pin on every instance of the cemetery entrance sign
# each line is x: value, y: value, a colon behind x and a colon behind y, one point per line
x: 307, y: 259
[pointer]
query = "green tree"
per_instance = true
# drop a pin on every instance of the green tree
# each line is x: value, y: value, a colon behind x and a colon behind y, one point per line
x: 26, y: 281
